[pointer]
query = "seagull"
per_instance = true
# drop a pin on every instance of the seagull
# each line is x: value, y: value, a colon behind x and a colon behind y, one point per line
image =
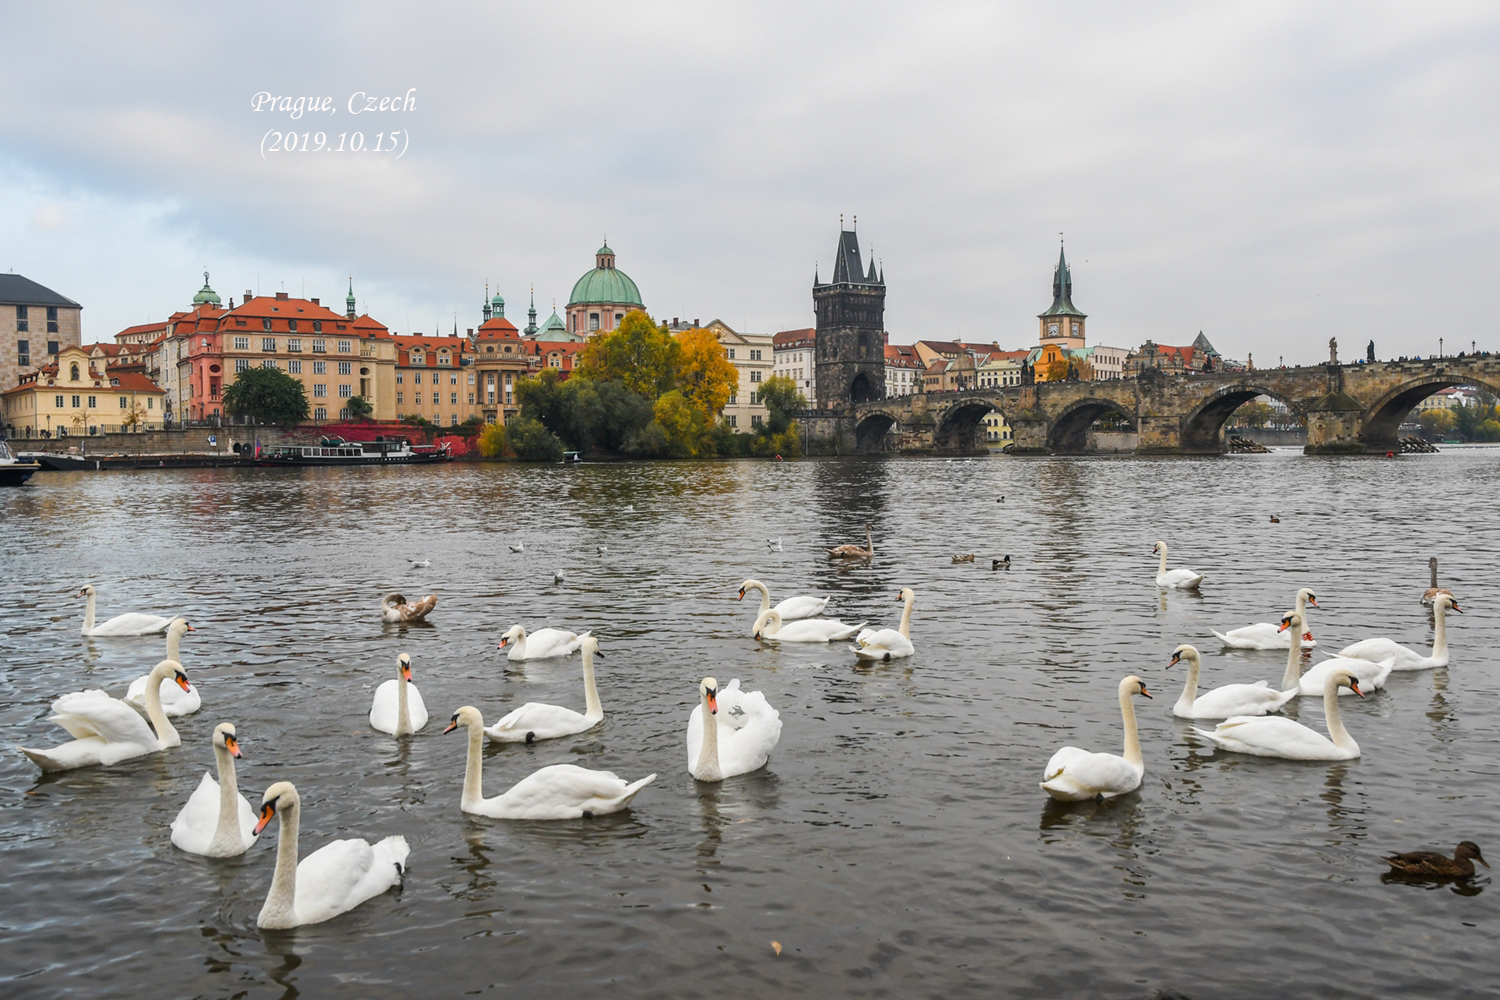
x: 603, y: 549
x: 518, y: 547
x: 1000, y: 563
x: 557, y: 577
x: 629, y: 508
x: 774, y: 544
x: 419, y: 563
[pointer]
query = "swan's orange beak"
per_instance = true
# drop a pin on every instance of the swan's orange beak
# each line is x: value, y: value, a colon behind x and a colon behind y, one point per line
x: 1144, y: 692
x: 1286, y: 623
x: 898, y: 596
x: 266, y: 812
x: 713, y: 704
x: 1175, y: 658
x: 742, y: 595
x: 1313, y: 601
x: 1454, y: 605
x: 451, y: 726
x: 1354, y: 686
x: 406, y: 671
x: 182, y: 682
x: 232, y: 745
x: 503, y: 641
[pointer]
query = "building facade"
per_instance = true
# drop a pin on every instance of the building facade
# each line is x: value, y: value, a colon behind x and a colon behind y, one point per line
x: 602, y: 297
x: 435, y: 379
x: 754, y: 357
x: 903, y: 370
x: 794, y: 358
x: 850, y: 337
x: 35, y: 324
x: 78, y: 395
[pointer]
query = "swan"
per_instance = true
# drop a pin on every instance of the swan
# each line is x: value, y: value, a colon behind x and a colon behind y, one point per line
x: 1073, y: 775
x: 130, y: 623
x: 854, y: 551
x: 768, y: 626
x: 743, y: 731
x: 1226, y: 701
x: 1278, y: 736
x: 557, y: 577
x: 107, y: 730
x: 542, y: 644
x: 603, y: 550
x: 1268, y: 635
x: 395, y: 608
x: 888, y: 643
x: 536, y: 721
x: 1371, y: 675
x: 1182, y: 579
x: 217, y: 821
x: 398, y: 708
x: 335, y: 878
x: 1405, y: 657
x: 790, y: 609
x: 1431, y: 593
x: 559, y: 791
x: 173, y: 701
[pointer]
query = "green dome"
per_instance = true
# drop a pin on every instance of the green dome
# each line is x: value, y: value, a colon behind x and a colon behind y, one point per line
x: 606, y: 284
x: 556, y: 323
x: 206, y: 295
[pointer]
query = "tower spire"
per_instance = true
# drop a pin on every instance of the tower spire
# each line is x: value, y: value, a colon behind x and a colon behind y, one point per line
x: 349, y: 302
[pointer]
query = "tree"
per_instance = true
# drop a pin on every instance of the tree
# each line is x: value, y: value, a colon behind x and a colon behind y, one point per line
x: 638, y: 353
x: 266, y: 395
x: 1488, y: 430
x: 1436, y: 423
x: 705, y: 374
x: 533, y: 442
x: 1056, y: 370
x: 683, y: 424
x: 1468, y: 417
x: 360, y: 408
x: 1253, y: 414
x: 782, y: 399
x: 492, y: 440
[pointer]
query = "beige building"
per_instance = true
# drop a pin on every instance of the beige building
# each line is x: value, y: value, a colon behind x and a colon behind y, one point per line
x: 903, y: 370
x: 793, y: 352
x: 35, y: 324
x: 754, y: 355
x: 79, y: 395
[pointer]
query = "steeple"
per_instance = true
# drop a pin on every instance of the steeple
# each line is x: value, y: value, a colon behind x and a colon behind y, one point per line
x: 486, y: 310
x: 530, y: 330
x: 1062, y: 289
x: 847, y: 266
x: 349, y: 302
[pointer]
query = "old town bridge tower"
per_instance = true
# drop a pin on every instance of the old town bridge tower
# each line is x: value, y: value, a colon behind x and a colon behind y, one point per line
x: 850, y: 352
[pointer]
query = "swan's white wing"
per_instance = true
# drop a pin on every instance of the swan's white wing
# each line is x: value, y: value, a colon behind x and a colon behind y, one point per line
x: 94, y: 713
x: 1371, y: 676
x: 1073, y: 773
x: 748, y: 746
x: 546, y: 643
x: 383, y: 708
x: 887, y: 644
x: 1178, y: 578
x: 416, y: 708
x: 174, y: 700
x: 801, y: 607
x: 1239, y: 699
x: 1261, y: 635
x: 1378, y: 650
x: 132, y: 623
x: 1270, y: 736
x: 193, y: 829
x: 565, y: 791
x: 339, y: 876
x: 543, y: 720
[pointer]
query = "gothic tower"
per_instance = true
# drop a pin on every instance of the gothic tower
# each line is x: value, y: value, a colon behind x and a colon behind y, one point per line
x: 850, y: 352
x: 1062, y: 324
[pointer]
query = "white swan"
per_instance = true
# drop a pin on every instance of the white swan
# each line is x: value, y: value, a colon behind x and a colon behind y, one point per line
x: 537, y: 721
x: 1222, y: 702
x: 1269, y: 635
x: 1182, y: 579
x: 769, y: 626
x: 398, y: 708
x: 130, y: 623
x: 335, y: 878
x: 1278, y: 736
x: 888, y: 643
x: 107, y: 730
x: 543, y: 644
x: 1371, y: 675
x: 217, y: 821
x: 743, y: 730
x: 1074, y: 775
x: 1405, y: 657
x: 559, y: 791
x: 174, y: 701
x: 790, y: 609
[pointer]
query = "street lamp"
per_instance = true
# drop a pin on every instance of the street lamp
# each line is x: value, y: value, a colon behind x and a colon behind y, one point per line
x: 1440, y: 347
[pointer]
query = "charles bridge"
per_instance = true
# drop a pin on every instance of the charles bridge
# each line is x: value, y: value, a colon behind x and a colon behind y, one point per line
x: 1348, y: 409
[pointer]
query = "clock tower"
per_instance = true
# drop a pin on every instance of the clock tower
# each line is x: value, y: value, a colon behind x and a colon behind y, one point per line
x: 1062, y: 325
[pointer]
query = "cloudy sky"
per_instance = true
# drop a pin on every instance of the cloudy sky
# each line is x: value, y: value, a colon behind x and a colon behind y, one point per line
x: 1272, y: 173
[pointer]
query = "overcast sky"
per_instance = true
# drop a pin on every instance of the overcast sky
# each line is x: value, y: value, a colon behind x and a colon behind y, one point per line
x: 1272, y: 173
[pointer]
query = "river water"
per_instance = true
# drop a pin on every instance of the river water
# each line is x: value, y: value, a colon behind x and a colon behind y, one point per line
x: 896, y: 846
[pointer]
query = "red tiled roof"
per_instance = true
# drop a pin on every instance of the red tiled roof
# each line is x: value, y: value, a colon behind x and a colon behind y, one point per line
x: 134, y: 382
x: 787, y: 338
x: 270, y: 306
x: 498, y: 328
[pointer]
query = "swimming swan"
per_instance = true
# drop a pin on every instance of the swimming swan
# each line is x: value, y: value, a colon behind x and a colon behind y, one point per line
x: 742, y: 731
x: 769, y: 626
x: 130, y: 623
x: 543, y: 644
x: 854, y: 551
x: 1278, y: 736
x: 217, y: 821
x: 1371, y: 675
x: 888, y: 643
x: 1074, y: 775
x: 173, y: 700
x: 1182, y: 579
x: 1405, y: 657
x: 396, y: 608
x: 334, y: 879
x: 398, y: 708
x: 1222, y: 702
x: 559, y: 791
x: 1269, y: 635
x: 107, y: 730
x: 790, y: 609
x: 536, y: 721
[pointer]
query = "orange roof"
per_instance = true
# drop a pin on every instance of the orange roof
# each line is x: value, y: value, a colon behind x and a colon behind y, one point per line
x: 133, y: 382
x: 787, y: 338
x: 269, y: 306
x: 141, y: 329
x: 498, y: 328
x: 366, y: 325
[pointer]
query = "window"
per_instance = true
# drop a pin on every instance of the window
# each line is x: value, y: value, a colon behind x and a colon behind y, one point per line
x: 453, y: 378
x: 239, y: 322
x: 59, y: 403
x: 320, y: 413
x: 51, y: 347
x: 294, y: 345
x: 123, y: 403
x: 295, y: 367
x: 23, y: 352
x: 453, y: 420
x: 555, y: 361
x: 265, y: 324
x: 731, y: 354
x: 754, y: 398
x: 269, y: 363
x: 593, y: 322
x: 755, y: 376
x: 437, y: 398
x: 93, y: 402
x: 317, y: 326
x: 471, y: 378
x: 242, y: 343
x: 291, y: 325
x: 754, y: 354
x: 454, y: 400
x: 344, y: 368
x: 52, y: 319
x: 21, y: 322
x: 241, y: 364
x: 320, y: 346
x: 268, y: 345
x: 76, y: 402
x: 400, y: 397
x: 320, y: 368
x: 344, y: 413
x: 734, y: 400
x: 416, y: 377
x: 345, y: 346
x: 320, y: 390
x: 734, y: 421
x: 755, y: 420
x: 400, y: 377
x: 471, y: 399
x: 150, y: 403
x: 345, y: 392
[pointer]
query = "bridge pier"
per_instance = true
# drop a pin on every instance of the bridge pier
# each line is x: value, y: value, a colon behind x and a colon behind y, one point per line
x: 1333, y: 427
x: 1158, y: 435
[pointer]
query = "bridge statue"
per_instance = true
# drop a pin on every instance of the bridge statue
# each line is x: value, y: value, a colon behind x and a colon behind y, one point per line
x: 1370, y: 352
x: 1333, y: 350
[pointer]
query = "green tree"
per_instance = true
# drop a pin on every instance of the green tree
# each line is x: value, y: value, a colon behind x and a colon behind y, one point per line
x: 533, y: 442
x: 360, y: 408
x: 266, y: 395
x: 638, y: 353
x: 1436, y: 423
x: 1468, y: 416
x: 705, y: 374
x: 684, y: 425
x: 492, y: 440
x: 782, y: 399
x: 1488, y: 430
x: 1253, y: 414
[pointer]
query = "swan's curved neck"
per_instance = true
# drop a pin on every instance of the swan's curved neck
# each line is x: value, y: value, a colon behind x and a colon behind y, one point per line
x: 771, y: 625
x: 1336, y: 730
x: 1293, y: 675
x: 905, y: 627
x: 473, y: 796
x: 1190, y: 686
x: 1132, y: 738
x: 520, y: 644
x: 166, y: 734
x: 228, y: 830
x: 403, y: 715
x: 281, y: 902
x: 174, y: 644
x: 765, y: 595
x: 708, y: 753
x: 88, y: 615
x: 1431, y: 565
x: 1163, y: 567
x: 1439, y: 629
x: 591, y: 707
x: 869, y: 541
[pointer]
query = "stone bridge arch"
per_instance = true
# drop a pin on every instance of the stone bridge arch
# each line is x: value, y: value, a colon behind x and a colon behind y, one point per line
x: 1203, y: 424
x: 1068, y: 433
x: 1380, y: 425
x: 870, y: 432
x: 959, y: 429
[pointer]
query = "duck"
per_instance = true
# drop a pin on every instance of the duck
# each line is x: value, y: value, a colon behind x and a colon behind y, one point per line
x: 398, y: 708
x: 542, y: 644
x: 741, y: 731
x: 1431, y: 593
x: 1000, y: 563
x: 558, y: 791
x: 217, y: 821
x: 889, y: 643
x: 1278, y: 736
x: 395, y: 608
x: 769, y: 626
x: 964, y: 558
x: 107, y: 730
x: 1268, y: 635
x: 854, y: 551
x: 1371, y: 675
x: 790, y: 609
x: 1431, y: 864
x: 173, y: 701
x: 332, y: 880
x: 1404, y: 657
x: 536, y: 721
x: 1226, y: 701
x: 1275, y: 519
x: 130, y: 623
x: 1181, y: 579
x: 1075, y: 775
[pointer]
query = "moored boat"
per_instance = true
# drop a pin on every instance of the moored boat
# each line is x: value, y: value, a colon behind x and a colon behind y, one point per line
x: 13, y: 471
x: 337, y: 451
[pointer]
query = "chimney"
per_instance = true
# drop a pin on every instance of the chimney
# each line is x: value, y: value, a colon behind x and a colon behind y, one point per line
x: 314, y: 301
x: 281, y: 296
x: 249, y: 295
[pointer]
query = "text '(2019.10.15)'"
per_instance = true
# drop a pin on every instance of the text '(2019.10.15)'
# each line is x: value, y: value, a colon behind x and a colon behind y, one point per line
x: 395, y: 141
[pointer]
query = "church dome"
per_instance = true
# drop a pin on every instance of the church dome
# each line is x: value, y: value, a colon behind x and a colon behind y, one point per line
x: 206, y: 296
x: 606, y: 284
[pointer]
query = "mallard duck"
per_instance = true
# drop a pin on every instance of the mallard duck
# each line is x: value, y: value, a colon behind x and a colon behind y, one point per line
x: 1431, y: 864
x: 396, y: 609
x: 1000, y: 563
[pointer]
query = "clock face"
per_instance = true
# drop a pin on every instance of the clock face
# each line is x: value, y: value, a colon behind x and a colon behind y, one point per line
x: 1052, y: 329
x: 1075, y: 329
